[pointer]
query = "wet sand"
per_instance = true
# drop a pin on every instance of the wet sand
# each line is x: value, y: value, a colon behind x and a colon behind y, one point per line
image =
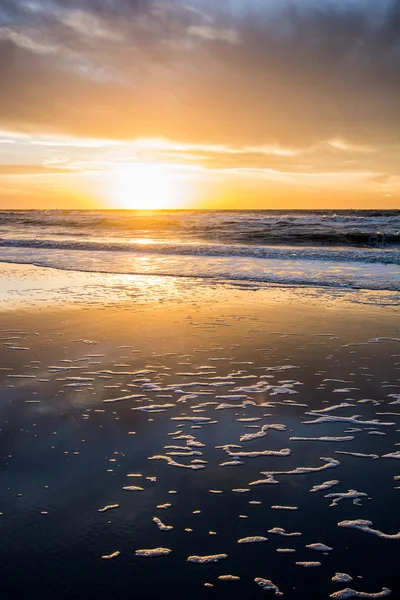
x: 158, y: 436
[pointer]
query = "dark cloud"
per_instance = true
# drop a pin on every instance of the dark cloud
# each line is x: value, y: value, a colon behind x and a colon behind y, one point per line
x: 295, y: 76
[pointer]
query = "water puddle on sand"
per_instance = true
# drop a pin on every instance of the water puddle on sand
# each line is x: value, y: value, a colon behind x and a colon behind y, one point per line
x: 166, y: 408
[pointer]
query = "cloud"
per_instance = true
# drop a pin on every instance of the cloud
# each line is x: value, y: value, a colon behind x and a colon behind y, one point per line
x: 128, y: 69
x: 214, y: 33
x: 292, y: 86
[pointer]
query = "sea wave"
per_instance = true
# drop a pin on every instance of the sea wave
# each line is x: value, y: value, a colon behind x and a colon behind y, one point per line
x: 341, y: 254
x: 219, y: 269
x: 359, y: 229
x: 357, y: 249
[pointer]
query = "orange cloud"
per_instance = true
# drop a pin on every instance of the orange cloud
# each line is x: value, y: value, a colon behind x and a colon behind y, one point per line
x: 287, y: 97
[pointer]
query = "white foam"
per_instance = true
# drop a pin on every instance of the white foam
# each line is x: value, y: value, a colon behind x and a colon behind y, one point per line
x: 152, y: 552
x: 285, y: 550
x: 282, y: 532
x: 280, y: 507
x: 347, y: 438
x: 256, y: 454
x: 16, y: 347
x: 205, y: 560
x: 228, y: 578
x: 133, y: 488
x: 353, y: 430
x: 233, y: 397
x: 176, y: 447
x: 161, y: 525
x: 358, y: 454
x: 325, y: 486
x: 319, y: 547
x: 350, y: 495
x: 252, y: 539
x: 385, y: 339
x: 349, y: 593
x: 342, y: 578
x: 267, y: 480
x: 191, y: 419
x: 121, y: 398
x: 281, y: 368
x: 354, y: 419
x: 308, y: 564
x: 108, y: 507
x: 330, y: 463
x: 226, y: 447
x: 262, y: 387
x: 267, y: 585
x: 263, y: 432
x: 171, y: 462
x: 192, y: 442
x: 331, y: 408
x: 366, y: 526
x: 56, y: 368
x: 392, y: 455
x: 69, y: 378
x: 188, y: 453
x: 110, y: 556
x: 155, y: 407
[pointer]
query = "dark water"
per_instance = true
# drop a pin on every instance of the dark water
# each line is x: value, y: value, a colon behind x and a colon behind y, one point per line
x: 62, y: 456
x: 361, y: 228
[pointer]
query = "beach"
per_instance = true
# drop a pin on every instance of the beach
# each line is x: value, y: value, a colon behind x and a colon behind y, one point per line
x: 199, y: 299
x: 245, y: 436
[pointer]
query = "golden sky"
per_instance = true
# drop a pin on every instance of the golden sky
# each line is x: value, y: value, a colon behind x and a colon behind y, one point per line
x: 200, y: 103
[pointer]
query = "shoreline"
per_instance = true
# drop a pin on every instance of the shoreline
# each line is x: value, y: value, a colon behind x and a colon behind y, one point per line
x: 31, y: 285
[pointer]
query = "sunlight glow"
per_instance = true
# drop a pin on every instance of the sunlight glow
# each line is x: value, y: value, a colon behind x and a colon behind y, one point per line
x: 144, y: 186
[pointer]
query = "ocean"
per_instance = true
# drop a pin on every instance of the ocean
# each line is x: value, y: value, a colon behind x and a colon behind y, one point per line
x: 354, y: 249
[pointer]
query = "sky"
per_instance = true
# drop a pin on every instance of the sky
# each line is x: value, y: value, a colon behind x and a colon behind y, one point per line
x: 200, y: 103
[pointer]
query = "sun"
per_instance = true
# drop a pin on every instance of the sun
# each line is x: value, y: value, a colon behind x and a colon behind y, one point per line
x: 144, y: 186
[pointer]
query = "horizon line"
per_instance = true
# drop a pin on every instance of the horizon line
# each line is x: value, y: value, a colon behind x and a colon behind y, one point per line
x: 143, y: 210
